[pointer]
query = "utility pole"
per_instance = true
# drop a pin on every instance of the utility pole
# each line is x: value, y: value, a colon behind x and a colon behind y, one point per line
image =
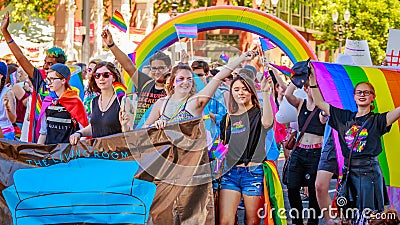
x: 86, y: 35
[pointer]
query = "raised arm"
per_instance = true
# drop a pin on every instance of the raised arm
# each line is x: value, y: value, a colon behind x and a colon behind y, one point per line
x: 281, y: 83
x: 206, y: 93
x: 293, y: 100
x: 122, y: 58
x: 392, y: 116
x: 267, y: 118
x: 15, y: 49
x: 316, y: 93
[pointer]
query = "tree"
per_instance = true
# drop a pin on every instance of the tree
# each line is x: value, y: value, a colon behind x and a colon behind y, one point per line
x: 24, y: 10
x: 164, y: 6
x: 370, y: 20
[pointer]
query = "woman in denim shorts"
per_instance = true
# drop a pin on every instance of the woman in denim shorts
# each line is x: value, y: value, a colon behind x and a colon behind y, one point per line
x: 244, y: 128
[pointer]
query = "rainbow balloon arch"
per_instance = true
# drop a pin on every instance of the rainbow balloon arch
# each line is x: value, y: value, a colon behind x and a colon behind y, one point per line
x: 229, y: 17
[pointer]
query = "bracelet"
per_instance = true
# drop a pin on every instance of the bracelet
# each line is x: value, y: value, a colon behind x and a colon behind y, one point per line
x: 314, y: 86
x: 226, y: 66
x: 80, y: 133
x: 111, y: 45
x: 9, y: 42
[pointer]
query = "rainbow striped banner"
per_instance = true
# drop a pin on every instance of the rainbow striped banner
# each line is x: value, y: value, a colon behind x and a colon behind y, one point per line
x: 273, y: 195
x: 337, y: 85
x: 118, y: 21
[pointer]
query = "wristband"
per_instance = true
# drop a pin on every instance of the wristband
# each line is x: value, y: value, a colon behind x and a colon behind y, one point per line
x: 9, y: 42
x: 111, y: 45
x: 314, y: 86
x: 80, y: 133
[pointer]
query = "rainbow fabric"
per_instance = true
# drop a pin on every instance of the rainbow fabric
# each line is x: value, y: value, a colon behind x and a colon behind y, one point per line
x: 132, y: 56
x: 224, y: 57
x: 337, y: 84
x: 118, y: 21
x: 229, y: 17
x: 76, y: 82
x: 273, y: 195
x: 266, y: 44
x: 13, y: 78
x: 186, y: 30
x: 119, y: 89
x: 283, y: 69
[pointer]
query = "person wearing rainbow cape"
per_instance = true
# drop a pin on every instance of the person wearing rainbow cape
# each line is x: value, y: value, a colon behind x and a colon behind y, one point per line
x: 112, y: 111
x: 364, y: 178
x: 62, y: 111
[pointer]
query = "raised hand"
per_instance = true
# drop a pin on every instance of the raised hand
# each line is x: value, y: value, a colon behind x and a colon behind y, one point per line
x: 250, y: 55
x: 5, y: 21
x: 107, y: 37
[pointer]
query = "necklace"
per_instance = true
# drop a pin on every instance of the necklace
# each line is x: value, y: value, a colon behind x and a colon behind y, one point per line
x: 101, y: 103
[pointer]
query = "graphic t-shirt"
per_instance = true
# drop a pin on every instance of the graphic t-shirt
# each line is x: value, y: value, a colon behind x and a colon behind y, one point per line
x: 368, y: 143
x: 147, y: 96
x: 246, y: 137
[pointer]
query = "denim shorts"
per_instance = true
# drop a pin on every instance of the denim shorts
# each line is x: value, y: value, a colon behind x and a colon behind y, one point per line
x: 247, y: 180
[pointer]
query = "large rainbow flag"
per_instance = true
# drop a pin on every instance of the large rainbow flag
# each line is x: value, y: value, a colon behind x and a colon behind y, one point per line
x: 337, y: 84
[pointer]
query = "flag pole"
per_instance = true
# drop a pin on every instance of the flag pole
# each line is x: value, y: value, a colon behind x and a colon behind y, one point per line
x: 179, y: 38
x: 191, y: 47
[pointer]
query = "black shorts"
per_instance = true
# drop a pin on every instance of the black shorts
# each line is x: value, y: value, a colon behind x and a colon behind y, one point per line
x: 328, y: 161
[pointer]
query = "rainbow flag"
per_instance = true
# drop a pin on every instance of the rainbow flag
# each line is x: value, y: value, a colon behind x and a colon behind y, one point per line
x: 266, y: 44
x: 273, y: 195
x: 337, y: 84
x: 284, y: 69
x: 224, y: 57
x: 76, y: 82
x: 132, y: 56
x: 186, y: 30
x: 118, y: 21
x: 13, y: 78
x: 119, y: 89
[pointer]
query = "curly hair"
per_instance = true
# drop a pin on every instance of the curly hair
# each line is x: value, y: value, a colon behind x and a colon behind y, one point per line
x: 111, y: 67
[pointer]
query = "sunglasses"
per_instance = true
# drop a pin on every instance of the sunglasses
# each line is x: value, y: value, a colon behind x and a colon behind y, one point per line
x: 104, y: 75
x: 365, y: 93
x: 50, y: 80
x: 200, y: 74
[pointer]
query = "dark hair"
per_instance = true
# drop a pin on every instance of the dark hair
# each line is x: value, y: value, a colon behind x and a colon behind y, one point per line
x: 233, y: 106
x: 214, y: 71
x: 81, y: 65
x: 200, y: 65
x: 180, y: 66
x: 12, y: 67
x: 111, y: 67
x: 57, y: 53
x: 161, y: 56
x: 2, y: 83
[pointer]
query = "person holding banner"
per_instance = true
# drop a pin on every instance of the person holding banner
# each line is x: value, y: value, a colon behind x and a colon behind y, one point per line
x: 364, y: 178
x: 111, y: 114
x: 62, y: 111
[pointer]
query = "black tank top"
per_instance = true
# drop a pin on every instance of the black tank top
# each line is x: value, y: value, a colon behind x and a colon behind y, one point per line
x: 59, y: 124
x: 107, y: 123
x: 315, y: 126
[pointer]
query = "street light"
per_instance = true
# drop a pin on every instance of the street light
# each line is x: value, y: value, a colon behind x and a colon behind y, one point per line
x: 174, y: 7
x: 339, y: 27
x: 274, y: 5
x: 258, y: 3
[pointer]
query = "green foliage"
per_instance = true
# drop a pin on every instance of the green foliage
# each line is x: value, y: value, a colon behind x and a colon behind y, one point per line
x: 165, y: 6
x: 246, y: 3
x: 370, y: 20
x: 24, y: 10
